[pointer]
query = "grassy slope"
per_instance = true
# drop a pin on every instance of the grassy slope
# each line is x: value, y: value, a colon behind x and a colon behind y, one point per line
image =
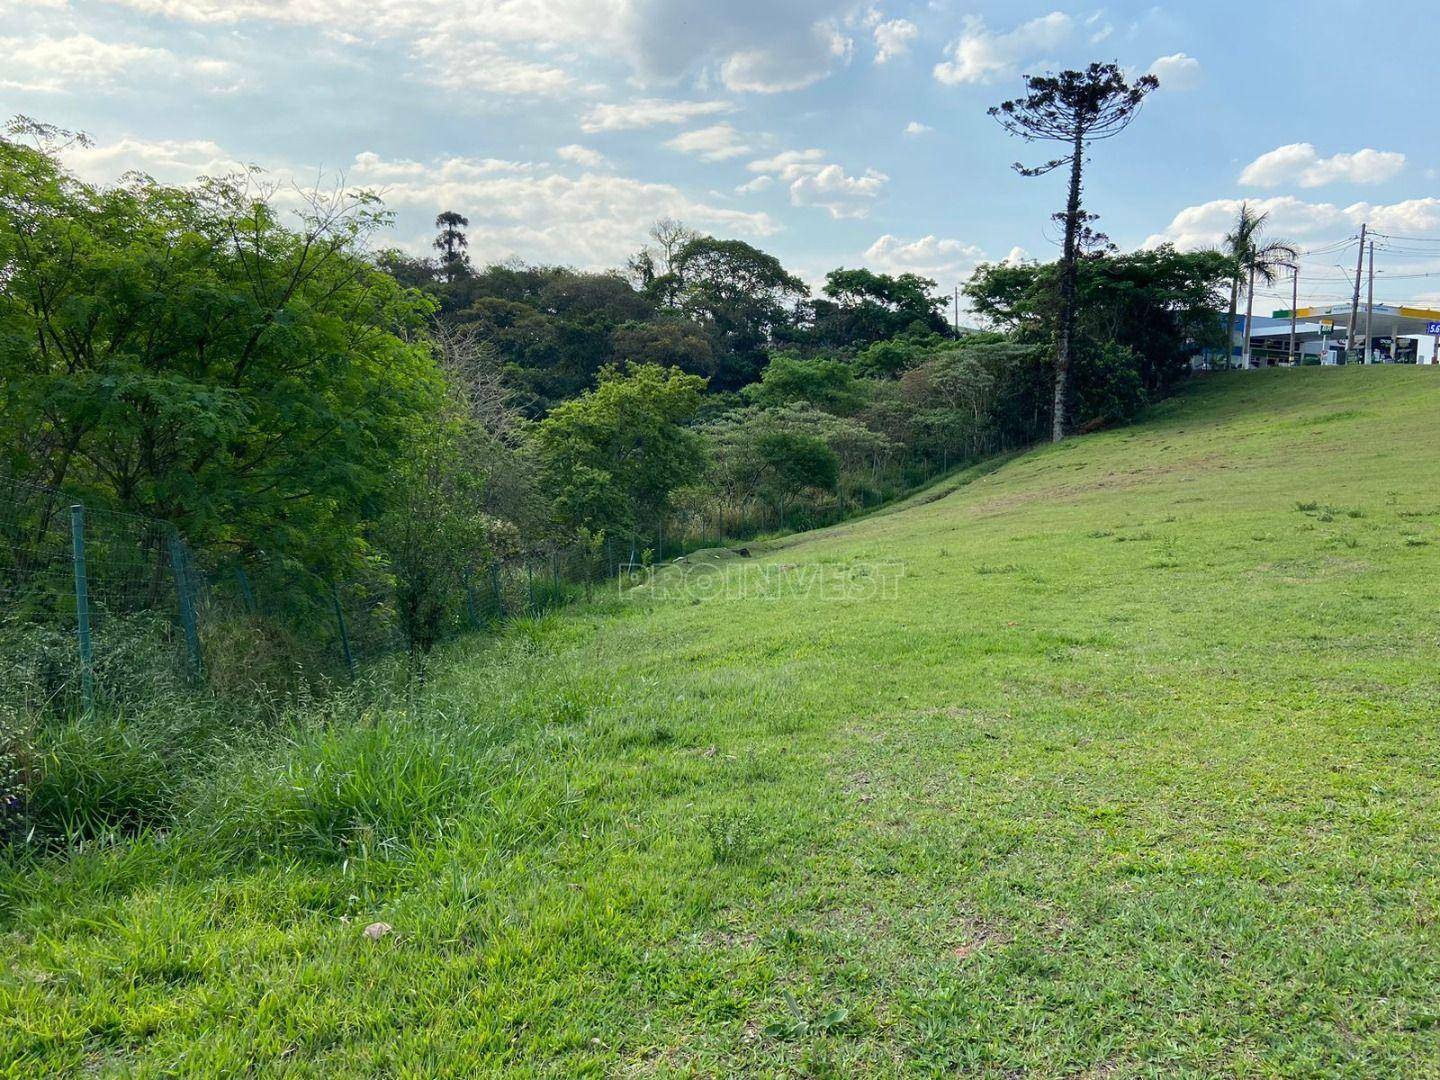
x: 1133, y: 772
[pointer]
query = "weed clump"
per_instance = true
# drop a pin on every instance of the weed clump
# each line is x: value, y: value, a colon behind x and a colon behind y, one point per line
x: 733, y: 836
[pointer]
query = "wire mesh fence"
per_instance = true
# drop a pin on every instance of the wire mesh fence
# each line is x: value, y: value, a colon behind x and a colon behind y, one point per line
x: 95, y: 604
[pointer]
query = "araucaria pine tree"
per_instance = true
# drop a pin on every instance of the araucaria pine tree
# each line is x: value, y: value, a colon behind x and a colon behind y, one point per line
x: 1075, y: 108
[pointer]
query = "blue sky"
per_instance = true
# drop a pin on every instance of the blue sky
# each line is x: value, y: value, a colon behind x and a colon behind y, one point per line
x: 828, y: 133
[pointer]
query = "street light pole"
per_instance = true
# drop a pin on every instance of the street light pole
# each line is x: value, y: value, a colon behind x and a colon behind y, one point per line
x: 1294, y: 303
x: 1370, y: 304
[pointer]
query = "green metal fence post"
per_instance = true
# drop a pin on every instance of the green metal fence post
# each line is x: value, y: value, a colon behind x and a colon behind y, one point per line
x: 187, y: 603
x: 82, y: 607
x: 246, y: 594
x: 344, y: 635
x: 470, y: 603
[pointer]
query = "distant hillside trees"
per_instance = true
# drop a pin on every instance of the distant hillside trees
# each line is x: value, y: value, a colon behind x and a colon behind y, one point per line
x: 263, y: 382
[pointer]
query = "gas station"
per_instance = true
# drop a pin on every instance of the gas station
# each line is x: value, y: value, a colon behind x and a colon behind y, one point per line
x: 1384, y: 334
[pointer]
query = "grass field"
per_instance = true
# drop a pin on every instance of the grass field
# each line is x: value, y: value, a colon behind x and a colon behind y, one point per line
x: 1120, y: 759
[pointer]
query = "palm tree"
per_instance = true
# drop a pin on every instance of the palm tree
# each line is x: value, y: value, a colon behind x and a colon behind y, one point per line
x: 1253, y: 259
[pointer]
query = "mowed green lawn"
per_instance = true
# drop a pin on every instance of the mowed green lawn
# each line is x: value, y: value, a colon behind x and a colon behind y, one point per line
x: 1119, y: 760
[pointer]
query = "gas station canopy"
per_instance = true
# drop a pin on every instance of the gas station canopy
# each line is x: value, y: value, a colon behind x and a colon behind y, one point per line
x: 1385, y: 320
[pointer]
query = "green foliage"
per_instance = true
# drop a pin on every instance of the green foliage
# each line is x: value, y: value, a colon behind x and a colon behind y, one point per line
x: 1161, y: 305
x: 980, y: 396
x: 893, y: 357
x: 792, y: 461
x: 733, y: 836
x: 863, y: 307
x: 182, y: 353
x: 611, y: 457
x: 101, y: 775
x: 332, y: 795
x: 740, y: 294
x: 553, y: 327
x: 1108, y: 382
x: 669, y: 342
x: 16, y: 762
x: 790, y: 378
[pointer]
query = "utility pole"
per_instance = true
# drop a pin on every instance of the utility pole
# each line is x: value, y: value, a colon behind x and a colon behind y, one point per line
x: 1294, y: 303
x: 957, y: 312
x: 1249, y: 314
x: 1355, y: 298
x: 1370, y: 303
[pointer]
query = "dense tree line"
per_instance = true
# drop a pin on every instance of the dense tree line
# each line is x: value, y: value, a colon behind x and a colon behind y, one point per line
x: 269, y: 386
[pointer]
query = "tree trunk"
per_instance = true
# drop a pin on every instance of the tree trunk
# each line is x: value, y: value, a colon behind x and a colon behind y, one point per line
x: 1249, y: 309
x: 1230, y: 325
x: 1068, y: 272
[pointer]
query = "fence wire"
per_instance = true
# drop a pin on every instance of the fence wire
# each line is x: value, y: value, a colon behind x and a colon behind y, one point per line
x: 97, y: 604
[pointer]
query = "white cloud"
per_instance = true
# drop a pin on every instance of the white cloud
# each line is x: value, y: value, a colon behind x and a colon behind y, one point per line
x: 815, y: 182
x: 1098, y: 31
x: 1411, y: 217
x: 714, y: 143
x: 515, y: 208
x: 57, y: 64
x: 1176, y: 71
x: 944, y: 261
x: 594, y: 220
x: 843, y: 196
x: 1205, y: 225
x: 750, y: 187
x: 771, y: 71
x: 1016, y: 256
x: 648, y: 112
x: 484, y: 68
x: 914, y: 127
x: 1295, y: 219
x: 373, y: 170
x: 980, y: 56
x: 893, y: 38
x: 171, y: 161
x: 513, y: 46
x: 583, y: 156
x: 1300, y: 163
x: 790, y: 164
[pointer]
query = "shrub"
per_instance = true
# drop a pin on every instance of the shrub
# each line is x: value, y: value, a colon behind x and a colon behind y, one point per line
x: 15, y: 758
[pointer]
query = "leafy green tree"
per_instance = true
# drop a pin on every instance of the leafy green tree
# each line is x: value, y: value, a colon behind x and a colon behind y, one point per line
x: 1076, y: 109
x: 436, y: 534
x: 669, y: 342
x: 743, y: 296
x: 980, y: 396
x: 451, y: 509
x: 183, y: 353
x: 610, y: 458
x: 1160, y: 305
x: 791, y: 462
x: 788, y: 378
x: 787, y: 458
x: 890, y: 358
x: 552, y: 326
x: 862, y: 307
